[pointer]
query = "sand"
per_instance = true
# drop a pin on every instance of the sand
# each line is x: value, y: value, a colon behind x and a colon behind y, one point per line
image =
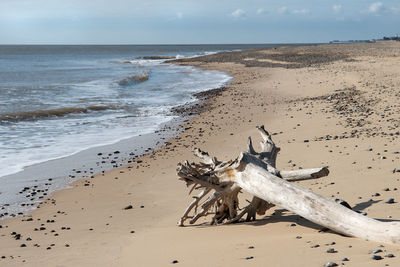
x: 342, y: 98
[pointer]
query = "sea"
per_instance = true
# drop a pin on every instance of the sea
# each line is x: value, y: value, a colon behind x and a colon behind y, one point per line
x: 60, y: 105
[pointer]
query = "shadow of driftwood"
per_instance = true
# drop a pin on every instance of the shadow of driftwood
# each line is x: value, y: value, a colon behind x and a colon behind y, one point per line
x: 364, y: 205
x: 283, y: 215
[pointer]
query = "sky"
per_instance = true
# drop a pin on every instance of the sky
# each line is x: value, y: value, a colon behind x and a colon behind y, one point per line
x: 195, y: 21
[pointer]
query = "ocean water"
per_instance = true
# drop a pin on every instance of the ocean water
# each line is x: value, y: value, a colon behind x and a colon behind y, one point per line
x: 56, y: 101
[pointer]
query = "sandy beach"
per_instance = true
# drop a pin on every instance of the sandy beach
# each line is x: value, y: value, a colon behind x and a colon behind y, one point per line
x: 326, y: 105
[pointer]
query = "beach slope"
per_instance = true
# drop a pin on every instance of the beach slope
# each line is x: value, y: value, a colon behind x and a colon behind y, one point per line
x: 326, y: 105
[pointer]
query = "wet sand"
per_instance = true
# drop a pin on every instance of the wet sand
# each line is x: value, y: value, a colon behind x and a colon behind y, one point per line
x: 334, y: 105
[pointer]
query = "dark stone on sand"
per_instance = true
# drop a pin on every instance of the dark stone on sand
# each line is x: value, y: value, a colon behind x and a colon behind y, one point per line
x: 306, y: 141
x: 376, y: 257
x: 174, y: 261
x: 377, y: 251
x: 331, y: 264
x: 249, y: 257
x: 128, y: 207
x: 250, y: 247
x: 345, y: 259
x: 389, y: 201
x: 331, y: 250
x: 389, y: 255
x: 23, y: 245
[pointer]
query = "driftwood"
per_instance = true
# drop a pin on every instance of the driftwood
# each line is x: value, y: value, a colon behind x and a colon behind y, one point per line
x: 256, y: 173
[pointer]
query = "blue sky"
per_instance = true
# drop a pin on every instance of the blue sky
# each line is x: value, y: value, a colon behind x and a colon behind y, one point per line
x: 190, y: 21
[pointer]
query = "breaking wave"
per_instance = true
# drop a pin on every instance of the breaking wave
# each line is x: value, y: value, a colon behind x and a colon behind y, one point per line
x: 39, y: 114
x: 133, y: 79
x: 158, y: 57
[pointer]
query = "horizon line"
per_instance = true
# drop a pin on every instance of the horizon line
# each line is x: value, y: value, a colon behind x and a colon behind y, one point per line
x: 165, y: 44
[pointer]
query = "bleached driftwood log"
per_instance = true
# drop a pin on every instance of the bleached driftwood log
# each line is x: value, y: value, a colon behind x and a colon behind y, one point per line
x: 256, y: 174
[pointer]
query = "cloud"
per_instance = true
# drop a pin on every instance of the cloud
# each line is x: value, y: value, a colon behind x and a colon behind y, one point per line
x: 238, y: 13
x: 261, y: 11
x: 375, y: 8
x: 395, y: 10
x: 301, y: 11
x: 179, y: 15
x: 283, y: 10
x: 337, y: 8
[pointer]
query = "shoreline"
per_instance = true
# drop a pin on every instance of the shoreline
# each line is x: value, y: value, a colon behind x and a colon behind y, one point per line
x: 52, y: 175
x: 59, y: 173
x: 104, y: 233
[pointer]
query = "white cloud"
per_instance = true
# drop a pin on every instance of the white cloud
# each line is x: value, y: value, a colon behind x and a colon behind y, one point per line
x: 283, y: 10
x: 261, y: 11
x: 238, y: 13
x: 395, y: 10
x: 337, y: 8
x: 179, y: 15
x: 301, y: 11
x: 375, y: 8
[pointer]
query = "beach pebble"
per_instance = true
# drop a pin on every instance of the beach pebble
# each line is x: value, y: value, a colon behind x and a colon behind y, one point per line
x: 174, y: 261
x: 377, y: 251
x: 128, y: 207
x: 369, y: 149
x: 331, y: 264
x: 249, y: 257
x: 345, y: 259
x: 23, y: 245
x: 376, y: 257
x: 331, y: 250
x: 250, y: 247
x: 389, y: 201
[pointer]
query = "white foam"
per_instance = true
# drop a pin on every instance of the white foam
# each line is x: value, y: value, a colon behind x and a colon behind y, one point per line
x: 139, y: 110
